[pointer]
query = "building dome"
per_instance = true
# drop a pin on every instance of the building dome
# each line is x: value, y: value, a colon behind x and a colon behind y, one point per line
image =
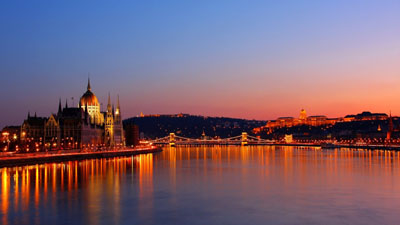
x: 89, y: 98
x: 303, y: 114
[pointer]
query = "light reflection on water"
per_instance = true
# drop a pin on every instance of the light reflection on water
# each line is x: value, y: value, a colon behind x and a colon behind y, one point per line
x: 209, y: 185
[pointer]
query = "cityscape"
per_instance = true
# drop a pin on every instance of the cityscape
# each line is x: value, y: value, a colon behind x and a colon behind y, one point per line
x: 212, y: 112
x: 73, y: 127
x: 85, y: 127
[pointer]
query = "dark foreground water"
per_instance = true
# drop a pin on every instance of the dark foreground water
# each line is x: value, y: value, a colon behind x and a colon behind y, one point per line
x: 209, y: 185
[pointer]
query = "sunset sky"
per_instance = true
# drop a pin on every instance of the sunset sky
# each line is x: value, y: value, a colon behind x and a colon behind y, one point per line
x: 245, y: 59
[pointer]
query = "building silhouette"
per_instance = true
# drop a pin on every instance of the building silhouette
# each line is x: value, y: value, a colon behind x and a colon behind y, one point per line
x: 84, y: 126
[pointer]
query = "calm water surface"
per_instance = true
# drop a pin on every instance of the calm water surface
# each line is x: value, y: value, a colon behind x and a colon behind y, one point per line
x: 209, y: 185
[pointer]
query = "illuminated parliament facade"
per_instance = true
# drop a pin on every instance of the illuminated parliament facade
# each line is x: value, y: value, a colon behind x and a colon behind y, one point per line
x: 84, y: 126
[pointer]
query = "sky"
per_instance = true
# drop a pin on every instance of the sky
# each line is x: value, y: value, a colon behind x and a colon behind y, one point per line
x: 243, y: 59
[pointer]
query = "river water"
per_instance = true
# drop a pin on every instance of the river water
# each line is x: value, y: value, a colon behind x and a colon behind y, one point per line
x: 209, y: 185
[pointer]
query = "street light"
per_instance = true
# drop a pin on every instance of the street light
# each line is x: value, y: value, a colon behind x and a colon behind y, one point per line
x: 6, y: 135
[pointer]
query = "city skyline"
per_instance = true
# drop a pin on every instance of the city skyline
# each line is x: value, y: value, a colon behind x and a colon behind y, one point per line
x: 200, y: 112
x: 74, y: 101
x: 254, y: 61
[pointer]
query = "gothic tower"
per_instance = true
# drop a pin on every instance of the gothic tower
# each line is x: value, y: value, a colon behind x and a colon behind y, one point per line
x: 118, y: 128
x: 109, y: 125
x: 390, y: 128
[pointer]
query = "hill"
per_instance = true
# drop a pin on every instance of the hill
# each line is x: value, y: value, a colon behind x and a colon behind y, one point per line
x: 191, y: 126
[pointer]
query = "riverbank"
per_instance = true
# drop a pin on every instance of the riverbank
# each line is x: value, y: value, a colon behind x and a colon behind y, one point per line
x: 334, y: 146
x: 369, y: 147
x: 315, y: 145
x: 61, y: 156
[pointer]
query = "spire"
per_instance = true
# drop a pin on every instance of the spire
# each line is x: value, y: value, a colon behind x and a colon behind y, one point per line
x: 59, y: 106
x: 109, y: 103
x: 88, y: 84
x: 118, y: 112
x: 35, y: 115
x: 66, y: 103
x: 29, y: 114
x: 118, y: 106
x: 390, y: 128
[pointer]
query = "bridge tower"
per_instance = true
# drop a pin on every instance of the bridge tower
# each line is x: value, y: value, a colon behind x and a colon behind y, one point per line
x: 244, y: 139
x: 172, y: 139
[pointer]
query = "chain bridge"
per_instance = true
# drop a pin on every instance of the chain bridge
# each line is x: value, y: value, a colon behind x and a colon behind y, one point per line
x: 243, y: 139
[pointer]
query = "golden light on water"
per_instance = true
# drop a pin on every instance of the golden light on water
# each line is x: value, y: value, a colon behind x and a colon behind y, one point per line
x: 5, y: 193
x: 22, y: 185
x: 109, y: 183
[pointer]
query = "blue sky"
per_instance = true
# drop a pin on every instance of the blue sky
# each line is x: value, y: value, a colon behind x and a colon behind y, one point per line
x: 249, y: 59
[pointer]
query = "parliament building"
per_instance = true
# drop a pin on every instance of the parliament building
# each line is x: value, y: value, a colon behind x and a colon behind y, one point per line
x: 81, y: 127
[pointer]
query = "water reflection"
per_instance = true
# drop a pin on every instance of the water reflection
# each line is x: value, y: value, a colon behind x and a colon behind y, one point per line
x: 24, y: 190
x: 233, y: 185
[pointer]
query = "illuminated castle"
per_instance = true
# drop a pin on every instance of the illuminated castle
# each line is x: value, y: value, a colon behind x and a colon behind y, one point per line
x: 302, y: 120
x: 320, y: 120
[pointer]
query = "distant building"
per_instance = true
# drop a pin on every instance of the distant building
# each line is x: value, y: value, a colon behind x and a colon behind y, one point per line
x: 9, y: 137
x: 288, y: 138
x: 12, y: 132
x: 32, y: 128
x: 132, y: 134
x: 321, y: 120
x: 390, y: 128
x: 52, y: 131
x: 302, y: 120
x: 303, y: 115
x: 349, y: 118
x: 317, y: 120
x: 366, y: 116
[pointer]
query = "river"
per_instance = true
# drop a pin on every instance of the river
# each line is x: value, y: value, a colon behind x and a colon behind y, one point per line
x: 209, y: 185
